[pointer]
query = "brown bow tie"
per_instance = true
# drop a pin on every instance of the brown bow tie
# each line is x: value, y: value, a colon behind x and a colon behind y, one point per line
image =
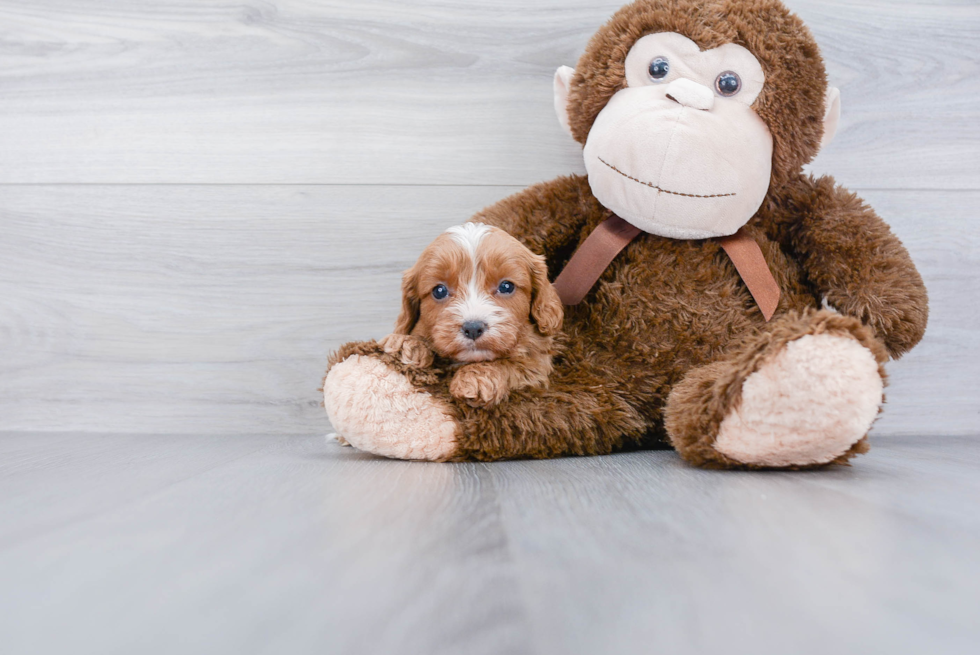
x: 613, y: 234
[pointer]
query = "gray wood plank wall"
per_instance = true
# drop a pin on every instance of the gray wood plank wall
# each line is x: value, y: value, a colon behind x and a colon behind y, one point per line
x: 198, y: 200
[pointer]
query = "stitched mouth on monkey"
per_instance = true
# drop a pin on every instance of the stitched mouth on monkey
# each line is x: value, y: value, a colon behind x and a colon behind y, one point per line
x: 662, y: 190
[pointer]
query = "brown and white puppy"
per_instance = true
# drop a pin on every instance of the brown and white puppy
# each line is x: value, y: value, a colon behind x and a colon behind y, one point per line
x: 478, y: 297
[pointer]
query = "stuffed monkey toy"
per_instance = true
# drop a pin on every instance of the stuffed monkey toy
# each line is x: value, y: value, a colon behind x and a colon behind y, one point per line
x: 719, y: 301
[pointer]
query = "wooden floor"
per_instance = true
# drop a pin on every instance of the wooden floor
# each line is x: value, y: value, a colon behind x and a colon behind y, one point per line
x: 198, y: 544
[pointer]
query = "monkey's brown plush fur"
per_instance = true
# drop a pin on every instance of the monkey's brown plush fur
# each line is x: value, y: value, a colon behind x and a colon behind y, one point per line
x: 657, y: 352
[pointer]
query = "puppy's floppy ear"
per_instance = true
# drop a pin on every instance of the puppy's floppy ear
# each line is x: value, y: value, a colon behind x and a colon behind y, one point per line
x: 546, y: 308
x: 409, y: 315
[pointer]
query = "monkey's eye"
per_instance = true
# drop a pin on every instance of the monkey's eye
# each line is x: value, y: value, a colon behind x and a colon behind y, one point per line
x: 659, y: 68
x: 440, y: 291
x: 506, y: 288
x: 728, y: 83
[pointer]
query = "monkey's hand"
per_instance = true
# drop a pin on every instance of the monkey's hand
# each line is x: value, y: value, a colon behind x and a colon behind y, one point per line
x: 483, y: 384
x: 411, y: 350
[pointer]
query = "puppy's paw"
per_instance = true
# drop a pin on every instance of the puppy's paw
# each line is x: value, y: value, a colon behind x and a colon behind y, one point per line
x: 480, y: 385
x: 392, y: 344
x: 411, y: 350
x: 416, y: 354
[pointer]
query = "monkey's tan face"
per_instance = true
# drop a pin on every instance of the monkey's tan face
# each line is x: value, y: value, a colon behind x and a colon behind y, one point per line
x: 680, y: 152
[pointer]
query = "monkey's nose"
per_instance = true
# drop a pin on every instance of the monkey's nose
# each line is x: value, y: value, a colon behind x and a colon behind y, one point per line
x: 474, y: 329
x: 691, y: 94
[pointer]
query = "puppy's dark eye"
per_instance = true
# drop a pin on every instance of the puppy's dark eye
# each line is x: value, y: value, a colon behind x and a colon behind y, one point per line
x: 440, y: 291
x: 506, y: 287
x: 728, y: 83
x: 659, y: 68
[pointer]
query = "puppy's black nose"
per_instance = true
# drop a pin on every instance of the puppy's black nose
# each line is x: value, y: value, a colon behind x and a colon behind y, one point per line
x: 474, y: 329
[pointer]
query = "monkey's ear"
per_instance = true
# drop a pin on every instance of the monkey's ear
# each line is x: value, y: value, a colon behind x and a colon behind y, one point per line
x: 409, y: 315
x: 563, y: 83
x: 831, y: 116
x: 546, y: 308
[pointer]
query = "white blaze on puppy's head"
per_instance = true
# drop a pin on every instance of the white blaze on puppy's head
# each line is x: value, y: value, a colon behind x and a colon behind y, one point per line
x: 469, y: 236
x: 475, y: 293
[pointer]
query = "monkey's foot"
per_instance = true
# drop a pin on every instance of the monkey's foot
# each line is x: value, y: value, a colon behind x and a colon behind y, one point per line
x: 378, y: 410
x: 791, y: 400
x: 808, y: 405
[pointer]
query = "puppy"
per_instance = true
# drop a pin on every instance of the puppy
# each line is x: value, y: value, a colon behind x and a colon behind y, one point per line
x: 478, y: 297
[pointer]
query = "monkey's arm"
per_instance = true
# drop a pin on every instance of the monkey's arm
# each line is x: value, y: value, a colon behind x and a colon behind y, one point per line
x: 852, y: 258
x: 546, y: 217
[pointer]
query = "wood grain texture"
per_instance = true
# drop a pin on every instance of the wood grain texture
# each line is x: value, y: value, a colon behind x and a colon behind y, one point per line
x: 421, y: 92
x: 671, y: 559
x: 211, y: 309
x: 175, y: 306
x: 153, y: 306
x: 209, y: 544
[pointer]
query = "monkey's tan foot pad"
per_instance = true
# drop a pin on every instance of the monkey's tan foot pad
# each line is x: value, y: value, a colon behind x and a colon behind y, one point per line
x: 379, y: 411
x: 807, y: 405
